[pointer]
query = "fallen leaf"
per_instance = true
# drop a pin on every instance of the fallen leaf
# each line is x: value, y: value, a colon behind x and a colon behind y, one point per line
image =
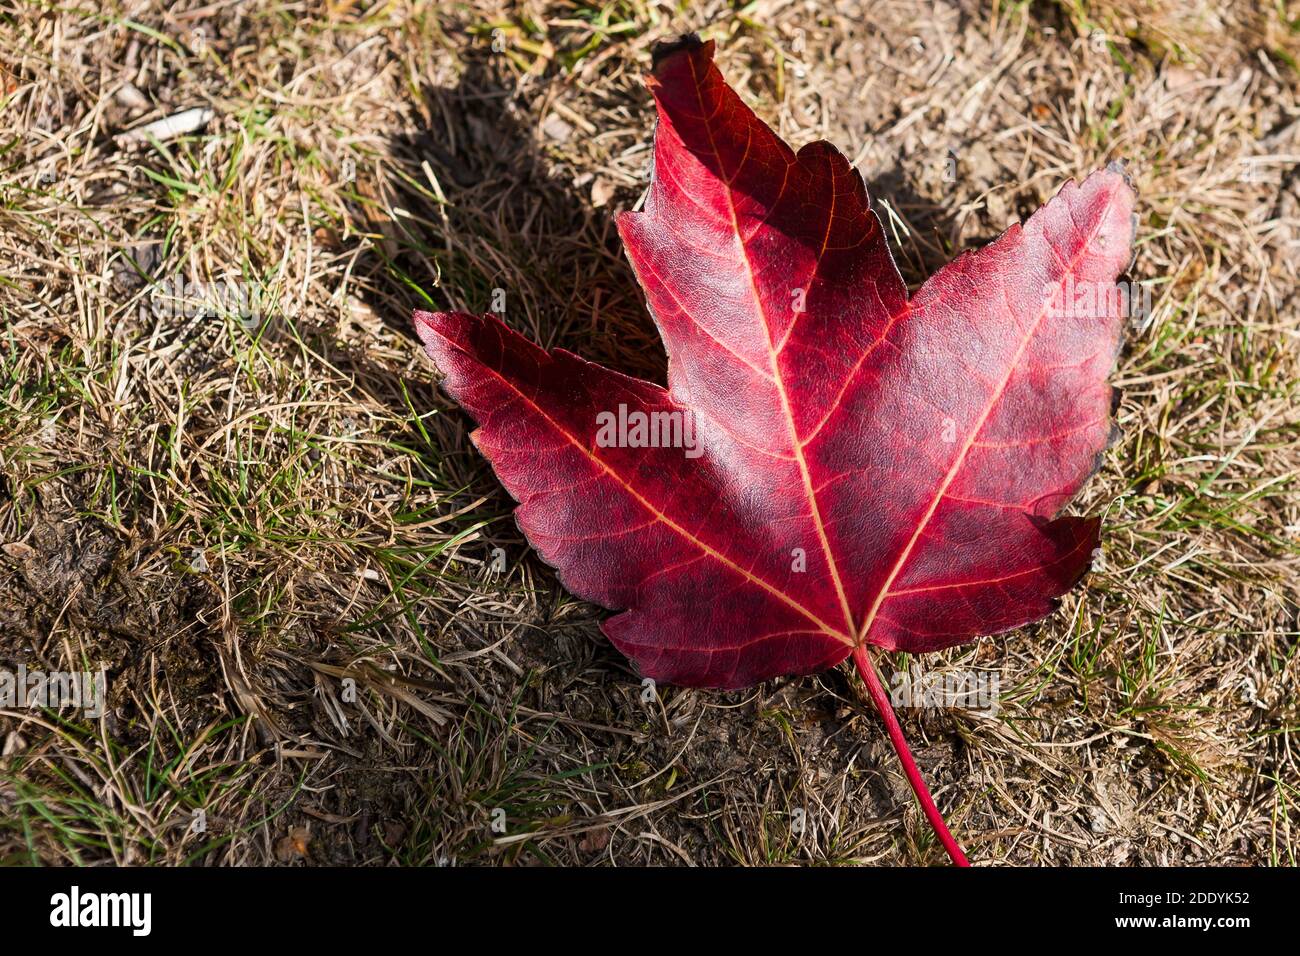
x: 595, y: 840
x: 293, y: 845
x: 833, y: 465
x: 18, y: 550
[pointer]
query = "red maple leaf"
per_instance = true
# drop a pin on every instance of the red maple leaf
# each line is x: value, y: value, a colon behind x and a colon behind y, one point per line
x: 833, y: 465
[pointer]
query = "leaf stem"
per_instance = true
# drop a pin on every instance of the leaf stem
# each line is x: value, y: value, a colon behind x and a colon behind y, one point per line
x: 878, y: 697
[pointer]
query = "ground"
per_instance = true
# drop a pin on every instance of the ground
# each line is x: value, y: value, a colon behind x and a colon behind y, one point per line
x: 253, y: 509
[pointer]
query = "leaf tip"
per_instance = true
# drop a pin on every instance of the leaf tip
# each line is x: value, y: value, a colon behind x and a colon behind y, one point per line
x: 687, y: 42
x: 425, y: 323
x: 1120, y: 167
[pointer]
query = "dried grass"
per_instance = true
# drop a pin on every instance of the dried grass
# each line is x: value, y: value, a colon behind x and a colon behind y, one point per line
x: 276, y: 538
